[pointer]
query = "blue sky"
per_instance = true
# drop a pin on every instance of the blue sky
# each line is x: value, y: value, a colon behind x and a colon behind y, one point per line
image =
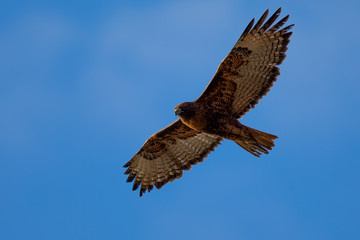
x: 84, y: 83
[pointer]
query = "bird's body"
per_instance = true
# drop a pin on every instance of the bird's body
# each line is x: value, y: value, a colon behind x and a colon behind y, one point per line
x: 241, y: 80
x: 203, y: 118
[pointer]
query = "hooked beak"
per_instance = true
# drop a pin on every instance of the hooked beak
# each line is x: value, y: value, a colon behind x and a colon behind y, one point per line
x: 178, y: 111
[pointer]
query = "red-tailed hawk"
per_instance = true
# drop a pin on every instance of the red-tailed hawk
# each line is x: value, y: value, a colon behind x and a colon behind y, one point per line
x: 241, y: 80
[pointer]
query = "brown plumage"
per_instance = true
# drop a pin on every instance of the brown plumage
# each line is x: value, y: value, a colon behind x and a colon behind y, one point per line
x: 241, y: 80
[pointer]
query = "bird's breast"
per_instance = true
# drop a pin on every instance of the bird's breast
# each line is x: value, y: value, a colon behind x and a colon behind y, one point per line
x: 197, y: 122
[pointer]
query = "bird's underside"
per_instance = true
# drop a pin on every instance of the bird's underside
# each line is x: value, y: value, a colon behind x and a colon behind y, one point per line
x: 199, y: 116
x: 241, y: 80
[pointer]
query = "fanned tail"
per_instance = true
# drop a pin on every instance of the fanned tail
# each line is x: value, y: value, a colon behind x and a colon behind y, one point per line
x: 255, y: 141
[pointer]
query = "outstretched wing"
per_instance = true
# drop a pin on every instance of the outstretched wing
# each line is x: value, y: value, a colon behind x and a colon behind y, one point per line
x: 249, y: 70
x: 166, y: 154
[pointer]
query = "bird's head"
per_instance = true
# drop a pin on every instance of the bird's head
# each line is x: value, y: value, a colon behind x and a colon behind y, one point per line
x: 184, y: 109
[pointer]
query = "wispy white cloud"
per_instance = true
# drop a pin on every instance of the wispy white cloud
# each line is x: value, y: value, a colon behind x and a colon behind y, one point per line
x: 163, y: 35
x: 33, y: 40
x: 28, y: 47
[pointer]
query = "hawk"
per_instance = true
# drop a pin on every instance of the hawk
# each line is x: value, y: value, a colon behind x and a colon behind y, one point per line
x: 241, y: 80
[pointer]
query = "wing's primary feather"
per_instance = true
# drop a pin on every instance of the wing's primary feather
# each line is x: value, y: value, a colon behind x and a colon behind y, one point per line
x: 260, y: 22
x: 250, y: 69
x: 166, y: 154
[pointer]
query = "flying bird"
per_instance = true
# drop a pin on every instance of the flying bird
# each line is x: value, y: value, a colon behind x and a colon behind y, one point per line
x: 241, y: 80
